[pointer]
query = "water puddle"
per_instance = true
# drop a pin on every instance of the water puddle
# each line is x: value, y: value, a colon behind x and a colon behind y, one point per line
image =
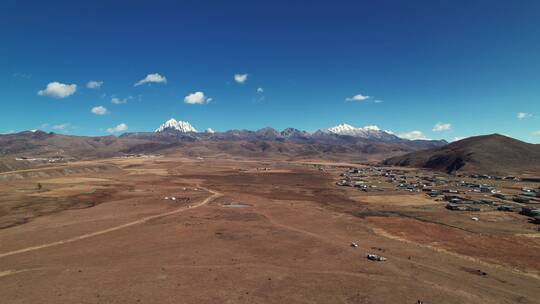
x: 236, y: 205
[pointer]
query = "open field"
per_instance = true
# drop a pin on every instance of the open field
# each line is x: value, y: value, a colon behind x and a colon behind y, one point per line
x: 102, y: 232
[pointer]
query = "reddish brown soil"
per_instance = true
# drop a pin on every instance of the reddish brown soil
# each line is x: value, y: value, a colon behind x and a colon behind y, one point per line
x: 515, y: 251
x: 291, y: 244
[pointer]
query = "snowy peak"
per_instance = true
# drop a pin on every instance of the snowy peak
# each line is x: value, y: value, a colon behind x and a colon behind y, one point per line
x: 342, y: 129
x: 181, y: 126
x: 369, y: 132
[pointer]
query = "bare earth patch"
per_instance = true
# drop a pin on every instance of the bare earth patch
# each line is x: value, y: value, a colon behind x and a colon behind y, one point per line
x: 73, y: 180
x: 514, y: 251
x: 396, y: 200
x: 110, y: 231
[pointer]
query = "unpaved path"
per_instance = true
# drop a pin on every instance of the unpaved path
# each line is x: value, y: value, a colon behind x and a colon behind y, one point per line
x: 214, y: 195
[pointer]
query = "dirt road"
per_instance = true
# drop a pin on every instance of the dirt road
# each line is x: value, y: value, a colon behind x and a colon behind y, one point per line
x: 214, y: 195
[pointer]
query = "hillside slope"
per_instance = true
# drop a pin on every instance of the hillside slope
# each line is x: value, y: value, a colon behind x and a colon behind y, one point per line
x: 489, y: 154
x: 16, y: 148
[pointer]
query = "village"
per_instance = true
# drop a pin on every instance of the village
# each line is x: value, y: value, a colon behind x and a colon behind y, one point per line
x: 475, y: 193
x: 53, y: 159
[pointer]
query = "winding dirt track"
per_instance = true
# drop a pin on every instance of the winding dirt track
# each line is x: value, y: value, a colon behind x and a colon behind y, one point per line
x: 214, y: 195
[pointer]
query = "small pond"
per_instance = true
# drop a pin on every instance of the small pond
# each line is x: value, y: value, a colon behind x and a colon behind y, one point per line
x: 236, y: 205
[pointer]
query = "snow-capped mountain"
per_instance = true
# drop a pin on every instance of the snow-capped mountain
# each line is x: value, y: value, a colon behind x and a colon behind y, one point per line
x: 339, y: 135
x: 181, y: 126
x: 368, y: 139
x: 369, y: 132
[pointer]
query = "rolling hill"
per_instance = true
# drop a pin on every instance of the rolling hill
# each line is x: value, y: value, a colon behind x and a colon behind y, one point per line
x: 35, y: 148
x: 487, y: 154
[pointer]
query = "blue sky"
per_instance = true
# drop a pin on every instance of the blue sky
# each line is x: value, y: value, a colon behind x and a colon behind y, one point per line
x: 469, y: 66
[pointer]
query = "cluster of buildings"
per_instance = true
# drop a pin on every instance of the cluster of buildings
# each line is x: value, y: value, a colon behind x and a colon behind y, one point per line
x: 53, y: 159
x: 493, y: 177
x: 458, y: 203
x: 477, y: 187
x: 461, y: 193
x: 527, y: 203
x: 358, y: 178
x: 141, y: 155
x: 492, y: 198
x: 363, y: 178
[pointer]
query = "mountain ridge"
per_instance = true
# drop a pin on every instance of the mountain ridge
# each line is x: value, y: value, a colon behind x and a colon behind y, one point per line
x: 369, y: 132
x: 493, y: 154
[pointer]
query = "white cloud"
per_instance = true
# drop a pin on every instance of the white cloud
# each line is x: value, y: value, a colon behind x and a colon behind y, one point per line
x: 413, y: 135
x: 357, y: 97
x: 94, y: 84
x: 537, y: 133
x: 117, y: 100
x: 151, y: 78
x: 197, y: 98
x: 260, y: 90
x: 458, y: 138
x: 438, y: 127
x: 58, y: 90
x: 119, y: 128
x: 99, y: 110
x: 378, y: 101
x: 61, y: 126
x: 523, y: 115
x: 240, y: 78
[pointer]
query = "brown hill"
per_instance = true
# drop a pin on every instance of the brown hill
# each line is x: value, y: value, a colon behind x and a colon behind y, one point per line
x: 42, y: 144
x: 31, y: 145
x: 30, y: 149
x: 487, y: 154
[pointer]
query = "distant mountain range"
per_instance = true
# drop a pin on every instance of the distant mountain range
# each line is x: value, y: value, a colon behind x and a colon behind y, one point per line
x: 483, y: 154
x: 487, y: 154
x: 343, y: 142
x: 339, y: 134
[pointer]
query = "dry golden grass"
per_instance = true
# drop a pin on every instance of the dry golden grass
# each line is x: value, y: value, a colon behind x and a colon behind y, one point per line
x: 128, y: 244
x: 73, y: 180
x: 153, y: 171
x: 67, y: 191
x: 395, y: 200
